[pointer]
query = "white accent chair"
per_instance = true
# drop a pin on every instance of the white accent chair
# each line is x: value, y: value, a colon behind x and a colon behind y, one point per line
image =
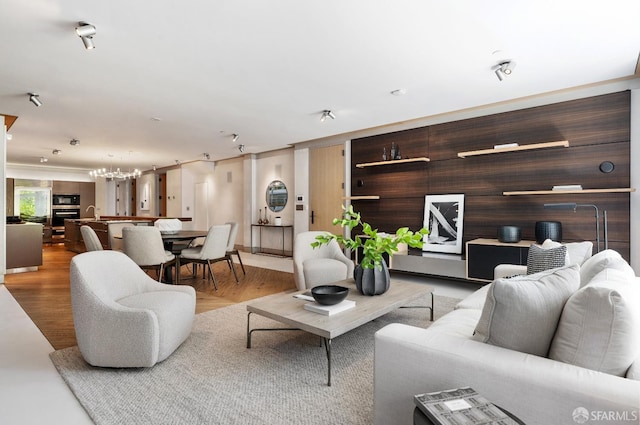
x: 231, y: 246
x: 213, y: 249
x: 90, y: 238
x: 318, y: 266
x: 143, y: 244
x: 124, y: 318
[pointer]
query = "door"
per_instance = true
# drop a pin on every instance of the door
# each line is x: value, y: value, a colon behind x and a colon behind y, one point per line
x: 201, y: 215
x: 326, y: 187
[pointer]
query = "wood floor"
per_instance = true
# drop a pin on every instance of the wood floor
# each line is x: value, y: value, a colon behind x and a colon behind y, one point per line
x: 45, y: 295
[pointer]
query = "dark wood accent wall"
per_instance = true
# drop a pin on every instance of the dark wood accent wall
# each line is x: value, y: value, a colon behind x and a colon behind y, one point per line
x: 597, y: 128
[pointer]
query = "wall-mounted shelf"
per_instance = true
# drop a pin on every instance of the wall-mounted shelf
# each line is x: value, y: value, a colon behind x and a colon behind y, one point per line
x: 393, y: 161
x: 360, y: 198
x: 559, y: 144
x: 563, y: 192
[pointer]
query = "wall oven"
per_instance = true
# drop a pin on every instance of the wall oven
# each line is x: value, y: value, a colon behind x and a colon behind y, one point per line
x: 58, y: 215
x: 65, y: 200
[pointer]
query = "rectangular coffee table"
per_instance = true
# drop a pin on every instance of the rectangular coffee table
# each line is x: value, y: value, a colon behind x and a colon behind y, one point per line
x: 284, y: 308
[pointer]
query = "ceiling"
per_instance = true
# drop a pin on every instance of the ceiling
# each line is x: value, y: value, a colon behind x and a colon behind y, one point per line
x: 169, y: 81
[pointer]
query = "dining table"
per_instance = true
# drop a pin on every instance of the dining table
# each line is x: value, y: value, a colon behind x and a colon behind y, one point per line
x: 169, y: 238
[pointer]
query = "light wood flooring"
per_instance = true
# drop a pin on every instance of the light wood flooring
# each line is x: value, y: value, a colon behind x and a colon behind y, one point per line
x: 45, y: 295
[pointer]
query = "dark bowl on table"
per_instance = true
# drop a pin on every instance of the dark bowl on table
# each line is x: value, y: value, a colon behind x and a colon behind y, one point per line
x: 329, y: 294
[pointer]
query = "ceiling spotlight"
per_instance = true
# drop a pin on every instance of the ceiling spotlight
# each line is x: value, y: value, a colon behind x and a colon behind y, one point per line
x: 205, y: 156
x: 235, y: 137
x: 86, y: 32
x: 74, y: 142
x: 35, y: 99
x: 327, y: 114
x: 153, y: 167
x: 43, y: 159
x: 241, y: 148
x: 56, y: 151
x: 504, y: 69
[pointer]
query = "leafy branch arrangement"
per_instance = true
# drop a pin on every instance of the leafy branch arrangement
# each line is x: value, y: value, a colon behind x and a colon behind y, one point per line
x: 375, y: 244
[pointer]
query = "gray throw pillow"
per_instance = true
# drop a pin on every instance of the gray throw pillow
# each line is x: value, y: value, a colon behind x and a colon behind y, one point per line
x: 540, y: 259
x: 522, y: 313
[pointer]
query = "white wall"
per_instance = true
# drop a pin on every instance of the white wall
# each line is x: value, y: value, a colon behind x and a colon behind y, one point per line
x: 301, y: 188
x: 36, y: 172
x: 634, y: 235
x: 3, y: 200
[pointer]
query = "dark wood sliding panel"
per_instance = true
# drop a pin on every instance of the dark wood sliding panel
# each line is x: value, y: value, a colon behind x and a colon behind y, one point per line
x: 597, y: 128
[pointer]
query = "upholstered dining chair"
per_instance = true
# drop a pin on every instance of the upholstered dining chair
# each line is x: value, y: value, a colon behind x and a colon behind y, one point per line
x: 143, y: 244
x: 114, y: 231
x: 90, y: 238
x: 318, y: 266
x: 123, y: 317
x: 231, y: 246
x: 213, y: 249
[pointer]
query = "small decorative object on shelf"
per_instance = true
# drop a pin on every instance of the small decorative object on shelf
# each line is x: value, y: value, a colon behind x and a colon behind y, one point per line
x: 266, y: 220
x: 548, y: 230
x: 393, y: 150
x: 260, y: 219
x: 384, y: 154
x: 372, y: 274
x: 509, y: 234
x: 398, y: 156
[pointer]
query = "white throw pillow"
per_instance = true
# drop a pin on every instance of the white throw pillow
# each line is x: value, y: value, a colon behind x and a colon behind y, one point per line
x: 607, y: 259
x: 600, y: 325
x: 522, y: 313
x: 579, y: 252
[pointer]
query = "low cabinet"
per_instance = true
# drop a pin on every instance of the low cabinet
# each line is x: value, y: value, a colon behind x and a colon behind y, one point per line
x: 483, y: 255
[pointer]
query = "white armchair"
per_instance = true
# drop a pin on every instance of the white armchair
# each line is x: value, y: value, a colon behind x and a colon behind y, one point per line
x: 318, y: 266
x: 122, y: 317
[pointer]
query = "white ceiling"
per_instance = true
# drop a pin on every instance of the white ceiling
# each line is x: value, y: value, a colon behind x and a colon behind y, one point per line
x: 267, y: 69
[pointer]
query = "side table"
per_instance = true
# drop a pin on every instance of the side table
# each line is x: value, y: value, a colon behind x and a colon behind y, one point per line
x: 420, y: 418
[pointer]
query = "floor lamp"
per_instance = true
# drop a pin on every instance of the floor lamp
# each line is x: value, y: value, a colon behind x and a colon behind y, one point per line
x: 573, y: 207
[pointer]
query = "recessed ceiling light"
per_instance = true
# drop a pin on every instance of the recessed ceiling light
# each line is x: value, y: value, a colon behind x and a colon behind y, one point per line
x: 156, y: 119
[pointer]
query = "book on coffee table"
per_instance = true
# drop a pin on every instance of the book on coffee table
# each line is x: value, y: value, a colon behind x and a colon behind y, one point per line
x: 329, y: 310
x: 461, y: 406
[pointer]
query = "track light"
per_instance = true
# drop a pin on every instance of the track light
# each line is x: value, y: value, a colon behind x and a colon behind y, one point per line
x: 205, y: 156
x: 74, y: 142
x: 241, y: 148
x: 43, y: 159
x: 504, y: 69
x: 35, y: 99
x: 56, y: 151
x: 327, y: 114
x: 235, y: 137
x: 86, y: 32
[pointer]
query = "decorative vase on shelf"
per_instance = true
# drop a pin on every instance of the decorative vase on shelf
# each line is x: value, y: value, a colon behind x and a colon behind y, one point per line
x: 393, y: 151
x: 548, y: 230
x: 260, y: 214
x: 384, y: 154
x: 509, y: 234
x: 266, y: 220
x: 398, y: 156
x: 373, y: 281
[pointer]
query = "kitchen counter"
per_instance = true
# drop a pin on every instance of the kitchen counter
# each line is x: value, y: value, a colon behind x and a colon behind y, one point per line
x: 24, y: 247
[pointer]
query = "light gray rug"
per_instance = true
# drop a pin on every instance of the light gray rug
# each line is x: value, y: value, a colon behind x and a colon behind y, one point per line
x: 214, y: 379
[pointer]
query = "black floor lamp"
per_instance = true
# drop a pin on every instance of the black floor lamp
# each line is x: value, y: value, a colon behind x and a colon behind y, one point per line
x: 574, y: 207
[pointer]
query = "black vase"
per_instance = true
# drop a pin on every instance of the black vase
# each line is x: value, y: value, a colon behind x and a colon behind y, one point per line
x: 548, y: 230
x: 373, y: 281
x: 509, y: 234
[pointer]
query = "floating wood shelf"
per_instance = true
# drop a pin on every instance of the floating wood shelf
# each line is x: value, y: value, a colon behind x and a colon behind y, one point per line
x: 360, y: 198
x: 393, y: 161
x: 563, y: 192
x: 560, y: 144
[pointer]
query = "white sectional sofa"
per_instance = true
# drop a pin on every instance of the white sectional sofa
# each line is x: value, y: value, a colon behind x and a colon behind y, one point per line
x: 537, y: 389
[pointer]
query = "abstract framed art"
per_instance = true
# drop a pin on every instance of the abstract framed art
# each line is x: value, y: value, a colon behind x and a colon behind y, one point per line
x: 444, y: 217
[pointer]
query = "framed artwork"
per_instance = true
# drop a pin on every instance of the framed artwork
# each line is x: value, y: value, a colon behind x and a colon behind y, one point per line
x: 443, y: 216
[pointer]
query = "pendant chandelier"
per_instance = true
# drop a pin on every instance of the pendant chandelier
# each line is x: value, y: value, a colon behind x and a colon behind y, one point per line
x: 116, y: 174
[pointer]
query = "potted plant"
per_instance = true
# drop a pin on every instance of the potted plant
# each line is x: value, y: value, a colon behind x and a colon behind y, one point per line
x: 371, y: 274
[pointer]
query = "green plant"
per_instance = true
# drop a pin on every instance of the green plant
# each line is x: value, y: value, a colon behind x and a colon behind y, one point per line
x: 373, y: 244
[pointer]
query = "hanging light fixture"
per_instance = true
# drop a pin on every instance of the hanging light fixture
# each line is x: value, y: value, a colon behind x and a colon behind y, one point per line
x: 34, y: 98
x: 116, y: 174
x: 327, y: 114
x: 86, y: 32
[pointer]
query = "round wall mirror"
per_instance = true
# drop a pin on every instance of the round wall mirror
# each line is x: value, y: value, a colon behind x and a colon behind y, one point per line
x: 276, y: 195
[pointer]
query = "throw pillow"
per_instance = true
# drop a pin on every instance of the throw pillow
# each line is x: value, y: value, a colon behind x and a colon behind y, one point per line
x: 522, y: 313
x: 600, y: 325
x: 607, y: 259
x: 540, y: 259
x: 579, y: 252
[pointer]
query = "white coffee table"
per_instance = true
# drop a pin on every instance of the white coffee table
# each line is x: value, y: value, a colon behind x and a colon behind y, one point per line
x: 287, y: 309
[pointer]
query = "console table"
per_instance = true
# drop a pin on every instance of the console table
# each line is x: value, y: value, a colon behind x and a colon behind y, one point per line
x: 260, y: 248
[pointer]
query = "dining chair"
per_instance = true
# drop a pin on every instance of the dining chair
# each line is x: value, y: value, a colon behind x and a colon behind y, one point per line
x: 90, y: 238
x: 213, y: 249
x: 114, y: 231
x: 143, y: 244
x: 171, y: 225
x: 231, y: 246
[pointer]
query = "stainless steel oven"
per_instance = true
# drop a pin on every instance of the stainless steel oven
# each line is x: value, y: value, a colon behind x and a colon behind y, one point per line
x: 59, y: 214
x: 65, y: 200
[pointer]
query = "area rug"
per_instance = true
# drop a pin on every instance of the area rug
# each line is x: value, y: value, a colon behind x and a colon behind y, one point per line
x: 214, y: 379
